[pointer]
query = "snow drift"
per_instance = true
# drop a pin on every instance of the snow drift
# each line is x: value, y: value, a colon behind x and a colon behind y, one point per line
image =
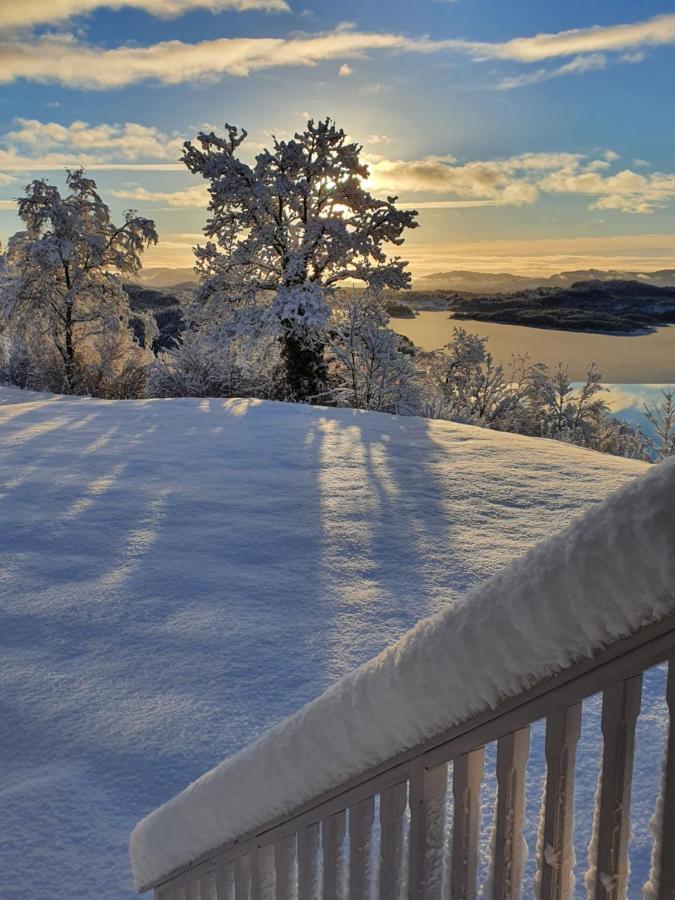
x: 607, y: 574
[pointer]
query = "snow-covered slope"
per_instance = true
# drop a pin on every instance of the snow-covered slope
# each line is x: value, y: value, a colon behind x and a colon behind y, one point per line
x: 178, y: 575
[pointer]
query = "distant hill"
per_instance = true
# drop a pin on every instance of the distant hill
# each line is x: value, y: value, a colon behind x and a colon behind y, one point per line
x: 619, y: 307
x: 490, y: 282
x: 164, y: 277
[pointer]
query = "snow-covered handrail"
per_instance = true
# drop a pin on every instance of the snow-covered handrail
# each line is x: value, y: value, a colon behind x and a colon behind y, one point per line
x: 588, y: 610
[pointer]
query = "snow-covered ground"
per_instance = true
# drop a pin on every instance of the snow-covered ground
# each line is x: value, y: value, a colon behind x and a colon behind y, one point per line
x: 178, y: 575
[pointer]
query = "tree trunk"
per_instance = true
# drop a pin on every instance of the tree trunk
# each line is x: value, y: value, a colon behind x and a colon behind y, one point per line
x: 305, y: 365
x: 69, y: 374
x: 301, y: 350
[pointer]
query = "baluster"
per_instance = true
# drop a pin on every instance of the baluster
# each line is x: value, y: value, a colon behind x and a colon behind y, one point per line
x: 620, y: 709
x: 165, y: 893
x: 392, y: 863
x: 262, y: 873
x: 207, y: 887
x: 333, y: 855
x: 428, y: 789
x: 467, y: 774
x: 284, y: 857
x: 256, y: 875
x: 308, y: 862
x: 360, y: 844
x: 512, y: 752
x: 563, y: 728
x: 224, y: 882
x: 666, y: 870
x: 242, y: 878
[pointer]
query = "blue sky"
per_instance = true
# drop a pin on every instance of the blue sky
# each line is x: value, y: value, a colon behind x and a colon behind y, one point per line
x: 532, y: 136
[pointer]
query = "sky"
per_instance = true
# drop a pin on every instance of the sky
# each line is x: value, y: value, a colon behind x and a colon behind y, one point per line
x: 532, y: 137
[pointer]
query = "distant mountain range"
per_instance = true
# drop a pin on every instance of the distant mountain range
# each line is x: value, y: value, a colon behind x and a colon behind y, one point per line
x: 491, y: 283
x: 461, y: 280
x: 164, y: 277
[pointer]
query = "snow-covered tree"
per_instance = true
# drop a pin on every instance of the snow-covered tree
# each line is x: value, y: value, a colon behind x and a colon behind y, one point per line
x: 64, y: 266
x: 662, y: 418
x: 292, y: 226
x: 562, y: 411
x: 368, y: 368
x: 473, y: 387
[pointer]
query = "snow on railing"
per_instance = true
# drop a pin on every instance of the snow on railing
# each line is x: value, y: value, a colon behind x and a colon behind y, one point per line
x: 354, y: 791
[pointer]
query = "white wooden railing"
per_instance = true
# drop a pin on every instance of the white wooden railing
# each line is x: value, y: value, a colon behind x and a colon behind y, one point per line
x: 407, y: 830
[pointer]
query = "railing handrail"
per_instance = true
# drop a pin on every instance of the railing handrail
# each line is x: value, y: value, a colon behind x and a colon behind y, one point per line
x: 651, y: 644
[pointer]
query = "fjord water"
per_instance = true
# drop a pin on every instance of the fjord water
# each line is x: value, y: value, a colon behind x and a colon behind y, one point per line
x: 622, y: 359
x: 634, y: 367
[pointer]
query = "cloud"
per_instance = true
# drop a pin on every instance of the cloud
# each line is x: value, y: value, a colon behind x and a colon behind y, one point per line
x: 64, y: 59
x: 625, y: 191
x: 37, y: 12
x: 373, y: 88
x: 382, y: 139
x: 637, y: 57
x: 578, y: 66
x: 588, y: 47
x: 440, y: 181
x: 195, y: 196
x: 33, y: 145
x: 514, y: 181
x: 654, y: 32
x: 345, y: 70
x: 501, y: 182
x: 520, y: 180
x: 451, y: 204
x: 130, y: 141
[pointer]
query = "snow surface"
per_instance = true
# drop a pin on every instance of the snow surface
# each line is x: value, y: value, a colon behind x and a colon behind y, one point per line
x: 176, y: 576
x: 603, y: 577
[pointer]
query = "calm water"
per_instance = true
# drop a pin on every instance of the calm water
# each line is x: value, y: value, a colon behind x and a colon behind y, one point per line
x: 635, y: 359
x: 634, y: 368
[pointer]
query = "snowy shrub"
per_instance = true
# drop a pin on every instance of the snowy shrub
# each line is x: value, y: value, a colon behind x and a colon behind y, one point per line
x: 368, y: 369
x: 208, y: 364
x: 112, y: 365
x: 662, y: 418
x: 611, y: 435
x: 30, y: 361
x: 16, y: 363
x: 559, y: 411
